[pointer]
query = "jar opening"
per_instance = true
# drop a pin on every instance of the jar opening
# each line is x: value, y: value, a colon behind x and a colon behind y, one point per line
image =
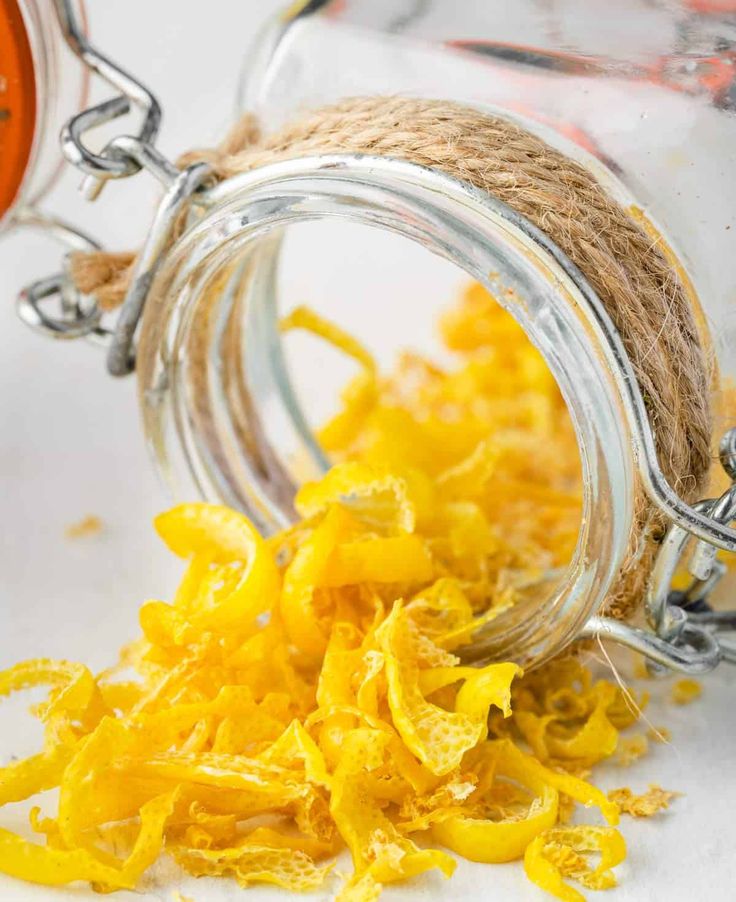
x: 217, y: 388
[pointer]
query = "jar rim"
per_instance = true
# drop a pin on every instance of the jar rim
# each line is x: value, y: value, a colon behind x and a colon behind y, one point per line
x: 482, y: 236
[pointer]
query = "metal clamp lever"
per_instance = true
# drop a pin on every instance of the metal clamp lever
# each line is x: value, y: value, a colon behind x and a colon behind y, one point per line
x: 77, y: 317
x: 124, y: 155
x: 696, y: 652
x: 110, y: 163
x: 121, y: 356
x: 685, y: 633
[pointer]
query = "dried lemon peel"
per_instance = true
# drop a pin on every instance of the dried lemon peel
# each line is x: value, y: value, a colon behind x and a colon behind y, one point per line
x: 437, y: 737
x: 353, y: 752
x: 227, y: 538
x: 300, y: 694
x: 647, y: 804
x: 53, y: 867
x: 631, y: 748
x: 571, y: 722
x: 375, y: 494
x: 659, y: 734
x: 89, y: 525
x: 308, y: 320
x: 250, y: 862
x: 492, y: 841
x: 374, y: 842
x: 686, y: 691
x: 560, y: 852
x: 492, y: 434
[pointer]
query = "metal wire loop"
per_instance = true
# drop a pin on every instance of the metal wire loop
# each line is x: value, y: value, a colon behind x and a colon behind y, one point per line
x: 121, y: 356
x: 727, y: 453
x: 696, y: 652
x: 110, y: 163
x: 74, y: 320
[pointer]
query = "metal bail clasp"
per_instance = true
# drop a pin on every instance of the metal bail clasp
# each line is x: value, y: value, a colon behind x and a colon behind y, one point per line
x: 79, y: 316
x: 686, y: 633
x: 671, y: 613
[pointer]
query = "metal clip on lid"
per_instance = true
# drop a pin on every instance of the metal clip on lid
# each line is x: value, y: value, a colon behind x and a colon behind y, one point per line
x: 113, y: 162
x: 123, y: 156
x: 686, y: 633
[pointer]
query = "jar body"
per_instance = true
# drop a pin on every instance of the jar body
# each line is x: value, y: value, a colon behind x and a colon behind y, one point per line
x: 44, y: 85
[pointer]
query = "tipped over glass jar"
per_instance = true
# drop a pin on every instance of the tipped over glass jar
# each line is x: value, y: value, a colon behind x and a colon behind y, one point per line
x: 572, y: 159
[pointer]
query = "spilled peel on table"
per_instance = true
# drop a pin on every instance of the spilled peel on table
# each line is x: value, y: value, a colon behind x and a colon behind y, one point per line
x: 300, y: 694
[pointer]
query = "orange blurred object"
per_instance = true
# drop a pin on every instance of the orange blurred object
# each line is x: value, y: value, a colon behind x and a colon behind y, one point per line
x: 17, y: 102
x: 712, y: 6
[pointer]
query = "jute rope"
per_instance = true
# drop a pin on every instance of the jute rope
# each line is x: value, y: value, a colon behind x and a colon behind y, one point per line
x: 631, y: 275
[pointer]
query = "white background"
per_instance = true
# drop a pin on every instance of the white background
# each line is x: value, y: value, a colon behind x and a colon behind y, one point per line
x: 70, y: 445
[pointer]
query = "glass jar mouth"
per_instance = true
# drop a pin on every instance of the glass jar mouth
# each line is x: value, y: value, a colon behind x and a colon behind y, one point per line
x: 187, y: 399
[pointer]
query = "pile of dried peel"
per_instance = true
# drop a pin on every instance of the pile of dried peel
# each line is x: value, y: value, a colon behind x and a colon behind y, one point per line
x: 300, y: 694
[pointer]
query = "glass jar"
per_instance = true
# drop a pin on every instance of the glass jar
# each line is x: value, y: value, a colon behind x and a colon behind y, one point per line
x: 641, y: 98
x: 42, y: 86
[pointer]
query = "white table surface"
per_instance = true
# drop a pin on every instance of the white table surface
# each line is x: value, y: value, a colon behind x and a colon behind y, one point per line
x: 70, y: 445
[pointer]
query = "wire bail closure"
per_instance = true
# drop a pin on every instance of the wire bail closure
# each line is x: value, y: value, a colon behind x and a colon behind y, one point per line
x: 123, y: 156
x: 684, y: 633
x: 114, y: 162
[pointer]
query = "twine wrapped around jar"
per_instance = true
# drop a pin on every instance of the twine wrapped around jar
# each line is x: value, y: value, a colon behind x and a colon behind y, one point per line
x: 633, y: 277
